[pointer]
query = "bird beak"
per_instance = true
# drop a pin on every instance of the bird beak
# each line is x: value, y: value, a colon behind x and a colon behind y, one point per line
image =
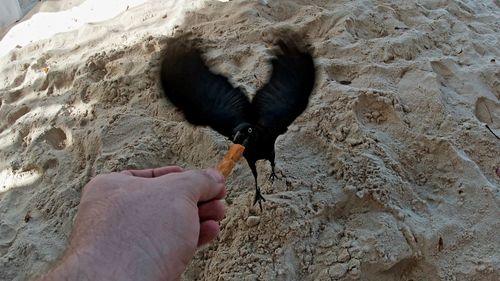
x: 239, y: 138
x: 236, y: 136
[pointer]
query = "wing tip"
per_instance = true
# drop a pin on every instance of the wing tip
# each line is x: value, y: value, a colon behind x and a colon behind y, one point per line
x: 293, y: 46
x: 288, y: 41
x: 180, y: 48
x: 294, y: 50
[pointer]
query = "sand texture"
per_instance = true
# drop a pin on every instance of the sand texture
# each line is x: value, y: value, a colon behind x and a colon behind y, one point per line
x: 390, y: 174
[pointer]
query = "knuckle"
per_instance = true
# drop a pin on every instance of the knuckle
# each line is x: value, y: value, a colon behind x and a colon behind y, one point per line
x: 197, y: 175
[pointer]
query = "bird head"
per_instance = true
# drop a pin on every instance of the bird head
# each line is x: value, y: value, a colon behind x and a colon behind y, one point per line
x: 242, y: 133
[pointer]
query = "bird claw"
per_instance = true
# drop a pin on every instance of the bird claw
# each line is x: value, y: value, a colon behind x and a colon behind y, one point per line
x: 258, y: 198
x: 272, y: 177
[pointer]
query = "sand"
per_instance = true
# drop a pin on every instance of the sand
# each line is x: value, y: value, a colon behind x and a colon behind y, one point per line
x: 390, y: 174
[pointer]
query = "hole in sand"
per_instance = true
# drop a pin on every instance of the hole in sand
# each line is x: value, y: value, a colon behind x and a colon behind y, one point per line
x: 374, y: 109
x: 17, y: 114
x: 344, y: 74
x: 487, y: 111
x: 50, y: 164
x: 13, y: 96
x: 56, y: 138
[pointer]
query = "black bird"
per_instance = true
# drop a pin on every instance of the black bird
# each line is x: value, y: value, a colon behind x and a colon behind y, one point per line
x: 208, y: 99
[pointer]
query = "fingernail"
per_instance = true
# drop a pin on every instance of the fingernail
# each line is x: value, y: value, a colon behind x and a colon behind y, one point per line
x: 216, y: 175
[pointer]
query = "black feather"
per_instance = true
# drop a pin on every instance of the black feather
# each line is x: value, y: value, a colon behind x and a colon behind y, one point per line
x: 286, y: 95
x: 205, y: 98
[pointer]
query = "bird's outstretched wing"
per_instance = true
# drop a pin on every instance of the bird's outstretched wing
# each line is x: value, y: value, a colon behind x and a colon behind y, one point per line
x: 205, y: 98
x: 286, y: 95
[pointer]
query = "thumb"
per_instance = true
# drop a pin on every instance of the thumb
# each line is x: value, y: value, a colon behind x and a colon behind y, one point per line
x: 213, y: 187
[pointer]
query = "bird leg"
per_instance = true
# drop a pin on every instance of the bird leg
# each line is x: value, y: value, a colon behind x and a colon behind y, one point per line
x: 273, y: 176
x: 258, y: 195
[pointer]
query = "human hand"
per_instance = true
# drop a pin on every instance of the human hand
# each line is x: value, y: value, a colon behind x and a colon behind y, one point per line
x: 144, y: 224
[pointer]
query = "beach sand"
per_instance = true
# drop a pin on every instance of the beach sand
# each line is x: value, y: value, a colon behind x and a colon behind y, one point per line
x: 390, y: 174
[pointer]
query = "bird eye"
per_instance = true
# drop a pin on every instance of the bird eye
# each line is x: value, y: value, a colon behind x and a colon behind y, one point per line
x: 249, y: 130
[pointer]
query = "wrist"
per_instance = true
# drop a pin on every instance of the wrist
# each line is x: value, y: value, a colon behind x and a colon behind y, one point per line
x: 100, y: 264
x: 82, y: 265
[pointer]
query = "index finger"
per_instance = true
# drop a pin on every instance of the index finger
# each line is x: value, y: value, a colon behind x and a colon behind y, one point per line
x: 153, y: 173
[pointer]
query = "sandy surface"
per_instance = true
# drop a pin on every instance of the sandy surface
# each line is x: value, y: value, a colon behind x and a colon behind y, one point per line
x: 389, y: 175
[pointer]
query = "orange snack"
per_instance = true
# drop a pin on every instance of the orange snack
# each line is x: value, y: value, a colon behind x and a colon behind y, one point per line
x: 229, y: 161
